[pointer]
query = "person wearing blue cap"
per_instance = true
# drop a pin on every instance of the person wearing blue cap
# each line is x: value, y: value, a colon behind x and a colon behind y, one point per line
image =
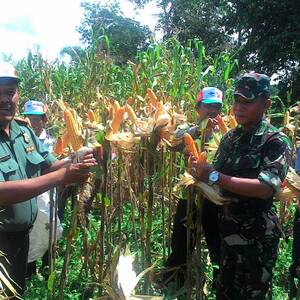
x: 27, y: 169
x: 208, y: 105
x: 36, y: 112
x: 249, y: 167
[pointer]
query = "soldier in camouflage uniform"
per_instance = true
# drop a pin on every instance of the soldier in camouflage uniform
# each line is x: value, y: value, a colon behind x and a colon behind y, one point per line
x: 249, y: 167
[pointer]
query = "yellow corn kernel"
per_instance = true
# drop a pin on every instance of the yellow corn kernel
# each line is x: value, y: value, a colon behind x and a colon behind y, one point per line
x: 118, y: 118
x: 91, y: 116
x: 73, y: 132
x: 58, y: 148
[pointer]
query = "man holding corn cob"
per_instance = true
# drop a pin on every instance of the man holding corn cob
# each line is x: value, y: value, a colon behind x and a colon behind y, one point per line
x: 27, y: 169
x: 249, y: 167
x: 208, y: 106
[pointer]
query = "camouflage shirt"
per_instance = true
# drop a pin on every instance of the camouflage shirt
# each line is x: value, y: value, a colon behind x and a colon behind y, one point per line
x: 265, y: 154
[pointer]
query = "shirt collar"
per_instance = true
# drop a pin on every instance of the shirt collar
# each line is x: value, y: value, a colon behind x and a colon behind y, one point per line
x: 257, y: 130
x: 15, y: 130
x: 43, y: 135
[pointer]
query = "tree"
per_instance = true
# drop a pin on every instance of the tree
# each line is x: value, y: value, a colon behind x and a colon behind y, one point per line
x: 125, y: 36
x: 265, y: 35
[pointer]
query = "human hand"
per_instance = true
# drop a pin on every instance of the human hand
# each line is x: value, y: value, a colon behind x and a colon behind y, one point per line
x: 200, y: 170
x: 76, y: 173
x: 84, y: 155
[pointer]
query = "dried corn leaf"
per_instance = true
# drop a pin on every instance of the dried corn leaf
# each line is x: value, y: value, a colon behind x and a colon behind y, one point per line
x: 123, y: 140
x: 209, y: 192
x: 293, y: 181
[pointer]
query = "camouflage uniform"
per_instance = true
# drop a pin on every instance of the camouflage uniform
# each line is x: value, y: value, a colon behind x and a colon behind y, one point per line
x: 249, y: 228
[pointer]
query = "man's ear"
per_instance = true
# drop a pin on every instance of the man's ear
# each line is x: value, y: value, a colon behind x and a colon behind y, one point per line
x: 267, y: 104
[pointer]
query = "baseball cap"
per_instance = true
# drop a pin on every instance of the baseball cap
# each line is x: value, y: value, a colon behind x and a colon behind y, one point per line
x: 33, y: 107
x: 251, y: 85
x: 7, y: 71
x: 209, y: 95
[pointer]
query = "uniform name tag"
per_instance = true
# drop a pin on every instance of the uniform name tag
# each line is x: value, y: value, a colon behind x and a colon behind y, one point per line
x: 29, y: 149
x: 5, y: 158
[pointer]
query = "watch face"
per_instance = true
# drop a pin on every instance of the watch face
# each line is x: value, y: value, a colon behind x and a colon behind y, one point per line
x: 214, y: 176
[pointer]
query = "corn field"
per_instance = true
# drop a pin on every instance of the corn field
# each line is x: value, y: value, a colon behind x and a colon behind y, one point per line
x: 126, y: 207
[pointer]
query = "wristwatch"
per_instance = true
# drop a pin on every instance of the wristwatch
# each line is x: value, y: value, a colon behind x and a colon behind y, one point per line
x: 213, y: 177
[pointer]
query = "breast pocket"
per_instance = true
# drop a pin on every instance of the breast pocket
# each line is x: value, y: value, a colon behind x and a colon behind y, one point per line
x: 8, y: 169
x: 249, y: 164
x: 35, y: 161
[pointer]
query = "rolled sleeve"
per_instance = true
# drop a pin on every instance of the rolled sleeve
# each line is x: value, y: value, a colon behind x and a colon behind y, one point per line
x: 276, y: 162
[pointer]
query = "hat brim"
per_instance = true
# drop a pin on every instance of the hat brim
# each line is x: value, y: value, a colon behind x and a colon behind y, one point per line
x: 243, y: 96
x: 211, y: 101
x: 8, y: 79
x: 37, y: 113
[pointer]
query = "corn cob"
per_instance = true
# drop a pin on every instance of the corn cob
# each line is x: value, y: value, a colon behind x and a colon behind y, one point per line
x: 153, y: 99
x: 73, y: 112
x: 286, y: 120
x: 201, y: 155
x: 232, y: 121
x: 58, y: 148
x: 190, y: 145
x: 131, y: 113
x: 111, y: 114
x: 73, y: 132
x: 65, y: 140
x: 221, y: 124
x: 91, y: 116
x: 116, y: 105
x: 118, y: 118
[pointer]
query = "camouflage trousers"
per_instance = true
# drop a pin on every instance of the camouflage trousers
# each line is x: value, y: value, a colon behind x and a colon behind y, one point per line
x: 246, y: 270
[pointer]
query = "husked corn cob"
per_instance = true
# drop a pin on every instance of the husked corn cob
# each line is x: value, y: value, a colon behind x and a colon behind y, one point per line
x: 131, y: 113
x: 91, y: 116
x: 73, y: 112
x: 202, y: 156
x: 190, y: 145
x: 153, y: 99
x: 221, y: 124
x: 116, y: 105
x: 286, y: 120
x: 58, y: 148
x: 118, y: 118
x: 111, y: 114
x: 193, y: 148
x: 232, y: 121
x: 73, y: 132
x: 65, y: 140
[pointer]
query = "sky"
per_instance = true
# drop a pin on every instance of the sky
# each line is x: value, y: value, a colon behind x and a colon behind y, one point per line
x: 51, y: 25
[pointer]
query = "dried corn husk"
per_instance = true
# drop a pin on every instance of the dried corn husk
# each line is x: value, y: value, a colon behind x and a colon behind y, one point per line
x: 293, y: 181
x: 209, y: 192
